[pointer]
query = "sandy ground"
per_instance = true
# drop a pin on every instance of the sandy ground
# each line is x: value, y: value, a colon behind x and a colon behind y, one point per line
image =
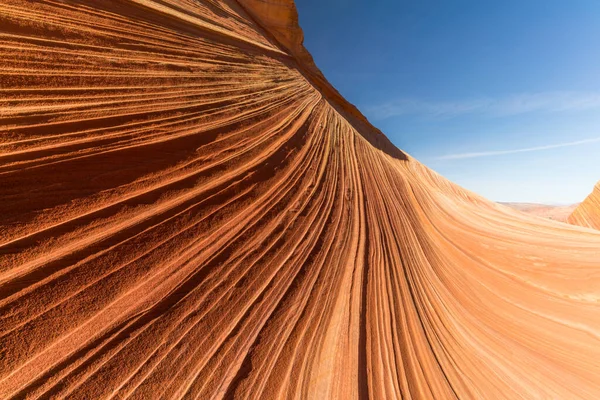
x: 556, y: 213
x: 187, y: 212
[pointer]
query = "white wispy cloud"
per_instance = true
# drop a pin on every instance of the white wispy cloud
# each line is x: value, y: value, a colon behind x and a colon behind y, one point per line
x: 504, y: 106
x: 513, y: 151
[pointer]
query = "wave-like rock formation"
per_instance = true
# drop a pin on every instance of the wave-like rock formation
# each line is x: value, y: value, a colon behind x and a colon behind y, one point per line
x: 189, y: 211
x: 588, y: 212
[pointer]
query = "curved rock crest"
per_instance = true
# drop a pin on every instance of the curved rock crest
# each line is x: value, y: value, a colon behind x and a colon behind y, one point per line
x: 588, y: 212
x: 188, y: 210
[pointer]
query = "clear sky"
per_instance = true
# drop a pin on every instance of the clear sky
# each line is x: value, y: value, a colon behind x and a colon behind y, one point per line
x: 502, y: 97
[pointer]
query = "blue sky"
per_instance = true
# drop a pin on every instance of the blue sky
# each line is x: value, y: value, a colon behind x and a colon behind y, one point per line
x: 502, y: 97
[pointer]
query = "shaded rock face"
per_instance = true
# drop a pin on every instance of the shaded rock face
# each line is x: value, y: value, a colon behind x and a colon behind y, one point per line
x: 588, y: 212
x: 188, y: 211
x: 280, y: 19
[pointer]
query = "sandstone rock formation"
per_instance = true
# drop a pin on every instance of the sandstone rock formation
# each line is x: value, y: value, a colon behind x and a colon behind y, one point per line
x: 188, y: 210
x: 588, y: 213
x: 556, y: 213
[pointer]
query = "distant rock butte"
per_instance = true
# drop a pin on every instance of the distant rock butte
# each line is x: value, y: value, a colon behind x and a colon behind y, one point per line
x: 588, y: 212
x: 556, y: 213
x: 188, y: 209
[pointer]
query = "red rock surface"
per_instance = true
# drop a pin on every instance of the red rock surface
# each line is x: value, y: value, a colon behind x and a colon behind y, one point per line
x: 588, y: 213
x: 189, y: 210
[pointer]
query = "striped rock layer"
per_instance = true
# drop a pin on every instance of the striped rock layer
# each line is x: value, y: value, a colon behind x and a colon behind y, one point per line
x: 188, y: 210
x: 588, y: 212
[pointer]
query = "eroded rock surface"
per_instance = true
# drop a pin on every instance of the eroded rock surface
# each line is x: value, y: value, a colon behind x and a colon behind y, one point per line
x: 188, y: 210
x: 588, y: 212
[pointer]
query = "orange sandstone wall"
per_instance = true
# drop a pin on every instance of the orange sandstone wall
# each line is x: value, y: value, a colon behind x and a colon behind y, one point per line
x: 188, y: 210
x: 588, y: 213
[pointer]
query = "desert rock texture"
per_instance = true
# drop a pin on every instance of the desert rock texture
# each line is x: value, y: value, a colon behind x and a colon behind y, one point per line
x: 588, y: 212
x: 189, y: 210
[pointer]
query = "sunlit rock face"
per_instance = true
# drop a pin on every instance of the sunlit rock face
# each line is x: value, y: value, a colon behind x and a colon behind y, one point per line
x: 588, y: 213
x: 188, y: 210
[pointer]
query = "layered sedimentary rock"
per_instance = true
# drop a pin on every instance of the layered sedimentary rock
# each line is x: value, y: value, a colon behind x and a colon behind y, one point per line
x: 189, y: 211
x: 588, y: 212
